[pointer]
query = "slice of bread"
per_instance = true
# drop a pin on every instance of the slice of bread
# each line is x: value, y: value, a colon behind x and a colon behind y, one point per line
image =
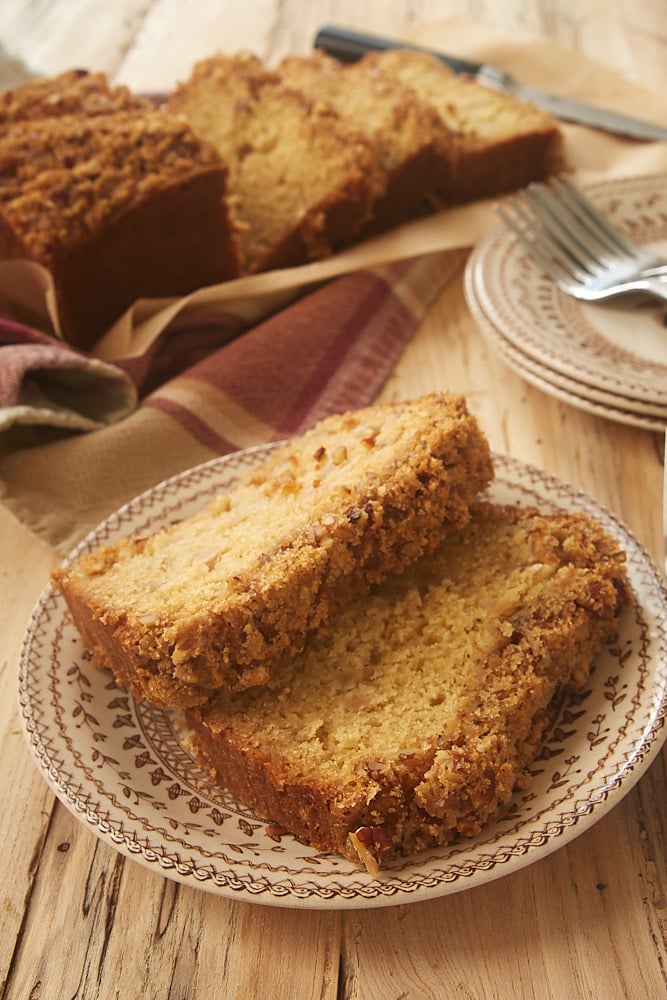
x: 217, y: 599
x: 414, y: 716
x: 412, y: 141
x: 303, y: 182
x: 501, y: 143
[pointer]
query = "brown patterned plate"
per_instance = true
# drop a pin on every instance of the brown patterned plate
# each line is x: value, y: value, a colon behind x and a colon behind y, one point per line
x: 617, y: 348
x: 637, y: 413
x: 124, y: 771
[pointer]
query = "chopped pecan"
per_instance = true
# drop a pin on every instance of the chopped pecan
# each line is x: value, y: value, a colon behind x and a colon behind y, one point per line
x: 370, y: 843
x: 183, y: 649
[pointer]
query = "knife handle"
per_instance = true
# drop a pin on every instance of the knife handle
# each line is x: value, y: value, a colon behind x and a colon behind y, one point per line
x: 348, y: 46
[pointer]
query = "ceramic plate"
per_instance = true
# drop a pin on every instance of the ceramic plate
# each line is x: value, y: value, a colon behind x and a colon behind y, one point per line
x: 124, y: 771
x: 618, y: 348
x: 596, y: 401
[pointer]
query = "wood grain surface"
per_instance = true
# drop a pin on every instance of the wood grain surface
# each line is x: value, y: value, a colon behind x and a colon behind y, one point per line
x: 77, y: 920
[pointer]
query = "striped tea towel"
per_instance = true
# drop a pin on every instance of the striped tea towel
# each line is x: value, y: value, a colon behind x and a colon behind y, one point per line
x: 45, y: 382
x: 330, y: 351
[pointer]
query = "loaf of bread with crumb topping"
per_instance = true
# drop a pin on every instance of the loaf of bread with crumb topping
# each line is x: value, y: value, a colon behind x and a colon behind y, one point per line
x: 116, y: 199
x: 412, y: 719
x: 500, y: 143
x: 216, y: 600
x: 302, y: 180
x: 411, y: 139
x: 245, y: 169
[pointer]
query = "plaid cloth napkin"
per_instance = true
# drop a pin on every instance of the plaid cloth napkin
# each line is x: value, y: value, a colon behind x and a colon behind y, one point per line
x: 45, y: 382
x: 329, y: 351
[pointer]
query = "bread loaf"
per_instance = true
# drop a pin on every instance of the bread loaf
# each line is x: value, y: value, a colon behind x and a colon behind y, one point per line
x: 246, y: 170
x: 118, y: 201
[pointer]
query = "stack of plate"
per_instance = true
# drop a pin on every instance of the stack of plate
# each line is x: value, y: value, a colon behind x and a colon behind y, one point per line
x: 609, y: 359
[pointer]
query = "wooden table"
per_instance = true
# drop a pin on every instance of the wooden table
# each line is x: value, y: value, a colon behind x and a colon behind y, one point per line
x: 77, y: 919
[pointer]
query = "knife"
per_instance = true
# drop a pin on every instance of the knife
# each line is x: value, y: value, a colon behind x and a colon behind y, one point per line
x: 348, y: 46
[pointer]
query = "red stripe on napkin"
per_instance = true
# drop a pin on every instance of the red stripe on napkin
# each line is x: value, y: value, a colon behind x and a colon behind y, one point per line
x: 202, y: 432
x: 332, y: 350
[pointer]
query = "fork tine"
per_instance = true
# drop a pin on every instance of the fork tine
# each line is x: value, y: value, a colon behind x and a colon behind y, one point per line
x: 564, y: 229
x: 590, y: 216
x: 553, y: 236
x: 544, y: 251
x: 602, y: 228
x: 570, y: 248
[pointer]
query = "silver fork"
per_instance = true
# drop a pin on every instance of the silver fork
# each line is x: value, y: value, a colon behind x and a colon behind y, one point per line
x: 578, y: 247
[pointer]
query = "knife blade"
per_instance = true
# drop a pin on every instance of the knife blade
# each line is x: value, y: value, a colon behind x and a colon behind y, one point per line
x: 348, y: 46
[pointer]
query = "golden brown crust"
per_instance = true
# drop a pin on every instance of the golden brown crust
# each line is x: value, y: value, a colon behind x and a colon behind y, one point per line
x: 75, y: 91
x: 117, y: 204
x: 216, y: 600
x: 413, y: 719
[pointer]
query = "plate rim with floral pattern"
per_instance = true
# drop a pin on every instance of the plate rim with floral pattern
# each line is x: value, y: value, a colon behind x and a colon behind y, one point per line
x: 553, y: 328
x: 124, y: 771
x: 636, y: 413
